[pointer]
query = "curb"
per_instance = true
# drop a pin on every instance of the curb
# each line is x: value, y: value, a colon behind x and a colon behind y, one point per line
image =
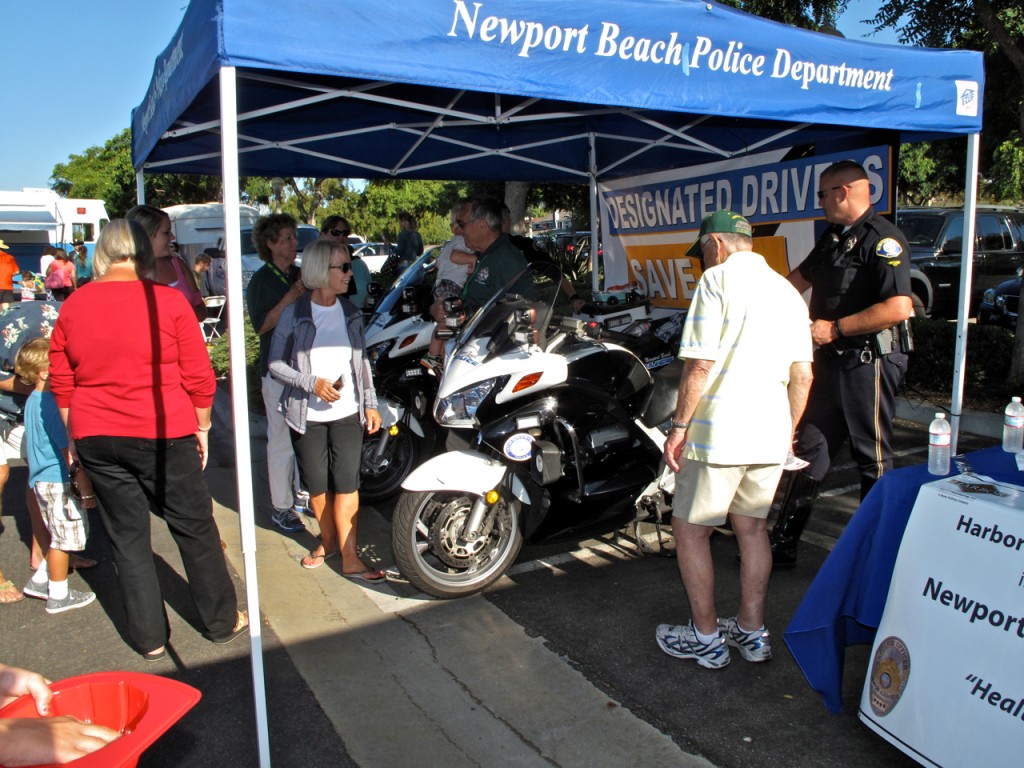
x: 974, y: 422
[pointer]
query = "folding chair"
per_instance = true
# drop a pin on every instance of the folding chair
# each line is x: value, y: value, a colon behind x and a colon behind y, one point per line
x: 214, y: 309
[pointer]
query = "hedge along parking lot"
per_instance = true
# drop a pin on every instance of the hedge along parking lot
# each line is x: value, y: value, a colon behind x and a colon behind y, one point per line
x: 989, y: 352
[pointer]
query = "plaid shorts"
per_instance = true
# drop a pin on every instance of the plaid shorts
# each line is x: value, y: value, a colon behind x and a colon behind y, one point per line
x: 68, y: 527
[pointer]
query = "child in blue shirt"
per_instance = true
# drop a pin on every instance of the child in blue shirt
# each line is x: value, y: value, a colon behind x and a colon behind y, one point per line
x: 46, y: 447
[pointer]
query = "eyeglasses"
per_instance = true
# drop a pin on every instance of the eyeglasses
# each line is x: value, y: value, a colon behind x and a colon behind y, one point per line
x: 704, y: 240
x: 345, y: 268
x: 340, y: 232
x: 823, y: 192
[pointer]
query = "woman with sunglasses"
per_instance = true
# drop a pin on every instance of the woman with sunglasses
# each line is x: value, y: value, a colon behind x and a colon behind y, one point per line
x: 318, y: 353
x: 337, y: 229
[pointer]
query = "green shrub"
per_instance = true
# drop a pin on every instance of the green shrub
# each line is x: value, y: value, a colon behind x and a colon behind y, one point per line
x: 220, y: 357
x: 989, y: 349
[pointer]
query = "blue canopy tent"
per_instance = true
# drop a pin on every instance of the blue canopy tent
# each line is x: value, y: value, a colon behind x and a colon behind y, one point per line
x: 530, y: 90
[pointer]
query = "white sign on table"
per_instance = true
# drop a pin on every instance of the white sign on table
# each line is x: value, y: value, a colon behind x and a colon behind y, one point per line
x: 946, y: 679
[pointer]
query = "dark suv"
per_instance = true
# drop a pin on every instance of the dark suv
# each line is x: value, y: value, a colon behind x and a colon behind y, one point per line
x: 936, y: 236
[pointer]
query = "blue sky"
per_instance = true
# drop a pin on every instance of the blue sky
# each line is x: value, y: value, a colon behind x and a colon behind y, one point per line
x: 73, y: 70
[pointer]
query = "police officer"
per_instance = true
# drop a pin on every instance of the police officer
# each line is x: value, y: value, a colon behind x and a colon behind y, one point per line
x: 859, y: 276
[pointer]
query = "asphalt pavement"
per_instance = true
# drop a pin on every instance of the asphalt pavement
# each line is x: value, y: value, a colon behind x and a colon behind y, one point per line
x: 555, y: 666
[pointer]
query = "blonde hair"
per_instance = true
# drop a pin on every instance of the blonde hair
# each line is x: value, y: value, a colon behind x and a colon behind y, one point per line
x: 149, y: 217
x: 32, y: 359
x: 120, y: 241
x: 316, y: 262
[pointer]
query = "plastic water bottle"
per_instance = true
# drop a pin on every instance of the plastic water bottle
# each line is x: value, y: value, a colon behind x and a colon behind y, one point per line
x: 1013, y: 426
x: 939, y: 437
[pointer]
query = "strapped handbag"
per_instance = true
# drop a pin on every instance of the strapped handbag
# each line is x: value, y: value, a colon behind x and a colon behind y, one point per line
x: 54, y: 278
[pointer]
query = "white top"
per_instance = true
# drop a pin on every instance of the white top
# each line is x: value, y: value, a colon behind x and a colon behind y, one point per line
x: 331, y: 359
x: 752, y: 324
x: 448, y: 269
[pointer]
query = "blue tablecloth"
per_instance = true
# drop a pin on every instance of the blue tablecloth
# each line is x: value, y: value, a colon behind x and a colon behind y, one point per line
x: 844, y: 603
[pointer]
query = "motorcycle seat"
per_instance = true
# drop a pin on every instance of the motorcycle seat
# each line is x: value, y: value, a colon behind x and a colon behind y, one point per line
x: 662, y: 404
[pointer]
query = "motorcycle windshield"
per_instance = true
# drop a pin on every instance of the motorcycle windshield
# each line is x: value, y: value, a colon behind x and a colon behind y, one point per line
x: 416, y: 274
x: 530, y: 300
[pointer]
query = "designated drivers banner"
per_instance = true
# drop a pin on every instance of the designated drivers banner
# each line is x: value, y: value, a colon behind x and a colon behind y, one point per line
x: 945, y: 682
x: 649, y: 221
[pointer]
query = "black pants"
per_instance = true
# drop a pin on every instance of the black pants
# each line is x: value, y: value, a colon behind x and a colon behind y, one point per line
x: 851, y: 399
x: 133, y: 476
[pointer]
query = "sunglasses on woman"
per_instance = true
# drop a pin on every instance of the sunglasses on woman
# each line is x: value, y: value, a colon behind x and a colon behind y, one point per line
x: 345, y: 268
x: 340, y: 232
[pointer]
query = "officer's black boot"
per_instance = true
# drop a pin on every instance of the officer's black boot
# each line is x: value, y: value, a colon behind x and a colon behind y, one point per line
x: 796, y: 508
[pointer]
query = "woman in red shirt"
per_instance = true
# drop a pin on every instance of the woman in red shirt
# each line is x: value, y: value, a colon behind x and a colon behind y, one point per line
x: 136, y: 388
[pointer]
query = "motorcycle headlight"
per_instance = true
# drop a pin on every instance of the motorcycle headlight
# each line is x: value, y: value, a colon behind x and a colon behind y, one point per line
x: 459, y: 409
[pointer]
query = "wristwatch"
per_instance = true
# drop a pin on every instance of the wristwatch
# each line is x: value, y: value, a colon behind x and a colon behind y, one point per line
x: 678, y: 425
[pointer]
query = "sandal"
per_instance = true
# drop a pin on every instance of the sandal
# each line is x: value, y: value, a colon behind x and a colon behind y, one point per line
x: 9, y: 593
x: 241, y: 627
x: 313, y: 560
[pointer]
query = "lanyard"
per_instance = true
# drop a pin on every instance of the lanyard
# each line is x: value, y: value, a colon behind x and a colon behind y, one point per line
x: 280, y: 275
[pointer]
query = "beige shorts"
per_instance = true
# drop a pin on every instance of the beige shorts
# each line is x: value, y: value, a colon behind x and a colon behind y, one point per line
x: 12, y: 445
x: 706, y: 494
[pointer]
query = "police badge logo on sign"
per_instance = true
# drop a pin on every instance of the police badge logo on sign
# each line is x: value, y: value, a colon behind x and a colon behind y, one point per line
x: 890, y: 671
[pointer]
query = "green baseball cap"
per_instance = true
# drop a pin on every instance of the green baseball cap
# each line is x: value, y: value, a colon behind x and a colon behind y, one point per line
x: 720, y: 222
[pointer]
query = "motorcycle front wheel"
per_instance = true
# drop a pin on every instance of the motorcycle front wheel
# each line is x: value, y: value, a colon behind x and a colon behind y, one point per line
x: 381, y: 477
x: 430, y: 551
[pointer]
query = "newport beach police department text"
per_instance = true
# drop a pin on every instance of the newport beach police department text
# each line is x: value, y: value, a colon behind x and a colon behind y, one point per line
x: 730, y: 58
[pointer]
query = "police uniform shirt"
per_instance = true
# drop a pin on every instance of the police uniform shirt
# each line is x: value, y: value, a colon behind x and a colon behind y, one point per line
x: 852, y: 270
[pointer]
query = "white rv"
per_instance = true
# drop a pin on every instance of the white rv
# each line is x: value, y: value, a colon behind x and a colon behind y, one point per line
x: 200, y: 226
x: 33, y: 218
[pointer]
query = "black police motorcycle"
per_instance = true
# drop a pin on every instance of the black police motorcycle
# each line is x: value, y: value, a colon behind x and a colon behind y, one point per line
x: 397, y: 336
x: 567, y: 438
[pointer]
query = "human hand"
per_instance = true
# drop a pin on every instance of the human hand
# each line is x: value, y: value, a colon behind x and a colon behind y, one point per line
x: 674, y: 442
x: 373, y: 420
x: 83, y: 486
x: 29, y: 741
x: 326, y: 390
x: 203, y: 446
x: 15, y: 682
x: 823, y: 332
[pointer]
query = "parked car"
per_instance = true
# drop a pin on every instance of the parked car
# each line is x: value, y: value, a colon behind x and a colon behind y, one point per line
x: 999, y: 305
x: 936, y: 237
x: 251, y: 260
x: 375, y: 254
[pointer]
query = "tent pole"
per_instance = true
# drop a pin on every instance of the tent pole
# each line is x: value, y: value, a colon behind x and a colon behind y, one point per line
x: 595, y: 228
x: 239, y: 389
x: 966, y: 272
x: 140, y: 187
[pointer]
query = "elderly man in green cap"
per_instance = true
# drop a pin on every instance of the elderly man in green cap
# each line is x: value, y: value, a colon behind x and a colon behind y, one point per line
x: 747, y: 358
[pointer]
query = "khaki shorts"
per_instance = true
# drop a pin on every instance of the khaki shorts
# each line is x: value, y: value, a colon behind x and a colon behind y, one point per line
x: 12, y: 444
x: 706, y: 494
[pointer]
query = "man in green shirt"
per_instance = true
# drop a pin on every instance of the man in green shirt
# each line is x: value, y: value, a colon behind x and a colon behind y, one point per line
x: 499, y: 260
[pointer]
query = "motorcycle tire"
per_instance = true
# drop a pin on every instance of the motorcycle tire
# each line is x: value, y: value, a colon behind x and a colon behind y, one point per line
x: 381, y: 478
x: 429, y: 553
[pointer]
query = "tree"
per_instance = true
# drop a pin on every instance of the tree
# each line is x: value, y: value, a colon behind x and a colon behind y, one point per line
x: 996, y: 28
x: 376, y: 214
x: 819, y: 15
x: 106, y: 173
